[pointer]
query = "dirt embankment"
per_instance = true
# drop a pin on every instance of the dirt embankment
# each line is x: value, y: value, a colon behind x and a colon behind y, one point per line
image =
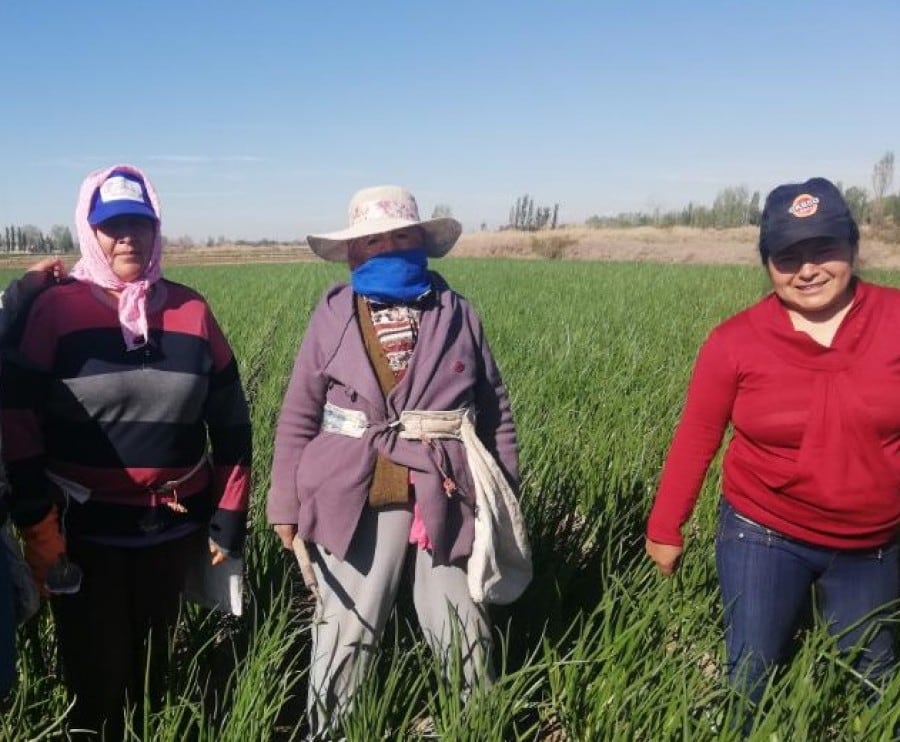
x: 670, y: 245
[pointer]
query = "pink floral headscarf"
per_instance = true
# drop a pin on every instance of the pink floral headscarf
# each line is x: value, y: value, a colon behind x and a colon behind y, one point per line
x: 94, y: 267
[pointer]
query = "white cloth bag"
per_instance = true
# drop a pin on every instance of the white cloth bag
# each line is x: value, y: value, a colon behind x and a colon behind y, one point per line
x: 499, y: 567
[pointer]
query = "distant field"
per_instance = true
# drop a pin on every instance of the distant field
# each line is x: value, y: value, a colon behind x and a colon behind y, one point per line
x: 596, y: 357
x: 736, y: 246
x: 640, y: 244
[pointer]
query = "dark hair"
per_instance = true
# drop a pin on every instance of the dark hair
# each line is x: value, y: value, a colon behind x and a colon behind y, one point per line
x: 852, y: 239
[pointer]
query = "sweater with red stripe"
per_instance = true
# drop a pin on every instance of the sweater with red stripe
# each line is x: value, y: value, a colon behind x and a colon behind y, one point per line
x: 122, y: 423
x: 815, y: 450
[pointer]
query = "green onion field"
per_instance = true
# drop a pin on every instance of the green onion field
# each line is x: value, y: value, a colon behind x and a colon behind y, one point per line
x: 596, y: 357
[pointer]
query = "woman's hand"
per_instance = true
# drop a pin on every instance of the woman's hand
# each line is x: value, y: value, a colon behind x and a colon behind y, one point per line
x: 217, y: 554
x: 286, y: 532
x: 666, y: 556
x: 44, y: 545
x: 45, y: 271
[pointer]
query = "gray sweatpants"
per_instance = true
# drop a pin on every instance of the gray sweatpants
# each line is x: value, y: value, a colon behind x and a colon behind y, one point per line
x: 357, y: 597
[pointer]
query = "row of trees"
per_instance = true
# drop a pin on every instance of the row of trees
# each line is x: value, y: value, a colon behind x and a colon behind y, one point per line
x: 526, y: 216
x: 884, y: 206
x: 30, y: 239
x: 733, y: 207
x: 737, y: 206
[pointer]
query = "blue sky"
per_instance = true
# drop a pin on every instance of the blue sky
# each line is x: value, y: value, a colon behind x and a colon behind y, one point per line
x: 260, y: 119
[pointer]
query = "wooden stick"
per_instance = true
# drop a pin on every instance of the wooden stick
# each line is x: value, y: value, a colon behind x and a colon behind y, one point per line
x: 305, y: 564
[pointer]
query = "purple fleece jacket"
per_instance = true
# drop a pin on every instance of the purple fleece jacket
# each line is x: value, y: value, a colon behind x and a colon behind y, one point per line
x: 320, y: 480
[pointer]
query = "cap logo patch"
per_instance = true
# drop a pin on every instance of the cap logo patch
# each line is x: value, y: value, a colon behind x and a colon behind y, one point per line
x: 804, y: 205
x: 118, y: 188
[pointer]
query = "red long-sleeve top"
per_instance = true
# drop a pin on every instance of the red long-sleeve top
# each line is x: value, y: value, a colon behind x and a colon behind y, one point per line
x: 815, y: 446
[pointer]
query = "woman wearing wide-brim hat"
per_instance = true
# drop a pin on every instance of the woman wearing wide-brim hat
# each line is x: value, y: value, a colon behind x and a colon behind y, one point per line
x: 394, y: 408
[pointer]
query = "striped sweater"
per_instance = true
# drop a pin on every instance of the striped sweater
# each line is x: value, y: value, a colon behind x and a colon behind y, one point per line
x: 122, y: 423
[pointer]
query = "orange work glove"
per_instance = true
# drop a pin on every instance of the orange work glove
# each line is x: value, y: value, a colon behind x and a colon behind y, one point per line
x: 44, y: 545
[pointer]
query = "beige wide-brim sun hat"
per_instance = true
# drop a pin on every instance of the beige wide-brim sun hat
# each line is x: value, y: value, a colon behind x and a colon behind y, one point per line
x: 383, y: 209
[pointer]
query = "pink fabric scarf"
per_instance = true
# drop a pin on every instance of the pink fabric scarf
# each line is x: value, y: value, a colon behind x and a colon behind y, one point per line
x: 94, y: 267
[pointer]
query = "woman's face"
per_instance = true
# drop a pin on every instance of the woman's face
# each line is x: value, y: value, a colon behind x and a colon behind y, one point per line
x: 363, y: 248
x: 813, y: 277
x: 127, y: 243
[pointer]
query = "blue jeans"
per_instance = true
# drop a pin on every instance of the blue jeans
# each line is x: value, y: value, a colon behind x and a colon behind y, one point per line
x: 765, y: 579
x: 7, y: 627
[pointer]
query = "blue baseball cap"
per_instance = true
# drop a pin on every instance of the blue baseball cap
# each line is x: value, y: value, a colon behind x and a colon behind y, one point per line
x: 795, y: 212
x: 123, y: 192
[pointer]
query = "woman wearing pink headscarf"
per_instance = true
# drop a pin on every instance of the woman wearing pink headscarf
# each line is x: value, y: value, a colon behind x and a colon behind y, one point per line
x: 122, y: 377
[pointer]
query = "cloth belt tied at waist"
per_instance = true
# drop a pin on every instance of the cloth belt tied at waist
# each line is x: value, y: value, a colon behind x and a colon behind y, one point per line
x: 167, y: 492
x: 499, y: 568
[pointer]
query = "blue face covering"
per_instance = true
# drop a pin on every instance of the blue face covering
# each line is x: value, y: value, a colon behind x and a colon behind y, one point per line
x: 399, y: 276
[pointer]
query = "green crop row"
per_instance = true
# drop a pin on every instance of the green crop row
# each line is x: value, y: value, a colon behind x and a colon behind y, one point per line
x: 596, y: 358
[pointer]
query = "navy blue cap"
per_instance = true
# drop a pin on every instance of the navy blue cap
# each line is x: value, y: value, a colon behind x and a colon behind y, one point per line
x: 123, y: 192
x: 802, y: 211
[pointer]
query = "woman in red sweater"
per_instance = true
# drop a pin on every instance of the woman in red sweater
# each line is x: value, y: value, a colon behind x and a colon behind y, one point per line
x: 807, y: 378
